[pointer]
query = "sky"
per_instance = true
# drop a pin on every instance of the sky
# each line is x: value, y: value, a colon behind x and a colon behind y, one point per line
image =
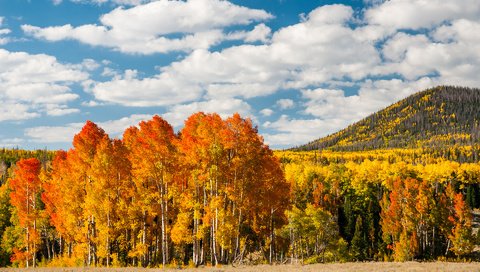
x: 300, y: 69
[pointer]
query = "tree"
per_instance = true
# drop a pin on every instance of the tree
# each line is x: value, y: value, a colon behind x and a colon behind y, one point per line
x: 25, y: 189
x: 5, y: 215
x: 203, y: 151
x: 108, y: 193
x: 461, y: 236
x: 154, y: 167
x: 65, y: 195
x: 313, y: 232
x: 359, y: 243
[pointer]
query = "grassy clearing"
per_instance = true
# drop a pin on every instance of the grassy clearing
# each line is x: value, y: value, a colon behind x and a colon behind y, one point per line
x: 367, y: 267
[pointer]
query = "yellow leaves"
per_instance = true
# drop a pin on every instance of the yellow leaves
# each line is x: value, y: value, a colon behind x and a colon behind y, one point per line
x: 181, y: 232
x: 469, y: 173
x: 137, y: 251
x: 439, y: 172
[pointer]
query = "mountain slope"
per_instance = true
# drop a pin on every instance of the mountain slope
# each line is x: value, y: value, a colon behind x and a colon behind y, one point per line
x: 438, y: 117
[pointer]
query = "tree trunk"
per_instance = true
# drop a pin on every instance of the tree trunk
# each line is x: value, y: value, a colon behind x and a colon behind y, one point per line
x: 144, y: 238
x: 28, y: 248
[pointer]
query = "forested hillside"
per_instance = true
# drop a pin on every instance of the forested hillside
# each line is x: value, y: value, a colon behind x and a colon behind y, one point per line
x: 433, y: 119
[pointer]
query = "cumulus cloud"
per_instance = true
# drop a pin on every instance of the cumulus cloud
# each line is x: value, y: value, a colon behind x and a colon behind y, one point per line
x: 285, y: 104
x: 35, y: 84
x: 147, y: 28
x: 292, y: 131
x: 162, y: 90
x: 266, y: 112
x: 115, y: 128
x: 414, y: 14
x: 260, y: 33
x: 64, y: 134
x: 224, y: 107
x: 12, y: 111
x: 333, y: 110
x: 297, y: 56
x: 451, y: 58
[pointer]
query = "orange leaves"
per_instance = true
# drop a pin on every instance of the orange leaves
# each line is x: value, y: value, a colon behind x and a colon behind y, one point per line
x: 86, y: 141
x: 155, y: 191
x: 461, y: 234
x: 25, y: 186
x: 401, y: 219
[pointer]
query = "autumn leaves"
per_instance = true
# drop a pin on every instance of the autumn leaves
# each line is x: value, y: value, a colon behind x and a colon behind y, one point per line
x: 25, y: 187
x: 154, y: 197
x: 383, y: 207
x: 214, y: 193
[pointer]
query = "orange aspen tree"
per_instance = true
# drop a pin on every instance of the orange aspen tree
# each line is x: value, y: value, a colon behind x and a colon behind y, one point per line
x: 107, y: 193
x: 461, y: 234
x: 80, y: 159
x: 202, y: 148
x: 26, y: 189
x: 154, y: 166
x: 55, y: 197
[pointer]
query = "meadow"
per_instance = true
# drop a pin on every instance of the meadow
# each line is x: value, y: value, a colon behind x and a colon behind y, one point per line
x: 353, y: 266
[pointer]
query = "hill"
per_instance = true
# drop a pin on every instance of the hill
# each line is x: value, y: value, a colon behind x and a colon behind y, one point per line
x: 436, y: 118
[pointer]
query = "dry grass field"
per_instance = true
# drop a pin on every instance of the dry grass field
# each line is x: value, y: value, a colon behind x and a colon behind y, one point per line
x: 367, y: 267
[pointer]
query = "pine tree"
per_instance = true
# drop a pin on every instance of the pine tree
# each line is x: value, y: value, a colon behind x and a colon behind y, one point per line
x: 359, y: 242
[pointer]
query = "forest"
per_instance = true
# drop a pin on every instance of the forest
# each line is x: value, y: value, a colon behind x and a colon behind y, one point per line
x: 433, y: 119
x: 215, y: 193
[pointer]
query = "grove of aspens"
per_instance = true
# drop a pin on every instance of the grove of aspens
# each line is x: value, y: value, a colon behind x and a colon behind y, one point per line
x: 214, y: 193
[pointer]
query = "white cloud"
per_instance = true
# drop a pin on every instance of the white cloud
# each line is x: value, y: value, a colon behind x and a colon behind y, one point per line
x: 331, y: 14
x: 285, y: 104
x: 3, y: 32
x: 56, y: 110
x: 158, y: 91
x: 11, y: 142
x: 115, y: 128
x: 35, y: 84
x: 291, y: 132
x: 418, y: 14
x: 92, y: 103
x: 266, y: 112
x: 298, y: 56
x: 333, y: 110
x: 332, y: 104
x: 449, y: 59
x: 90, y: 64
x: 386, y: 52
x: 64, y: 134
x: 260, y: 32
x: 12, y: 111
x: 53, y: 134
x: 224, y: 107
x: 145, y: 28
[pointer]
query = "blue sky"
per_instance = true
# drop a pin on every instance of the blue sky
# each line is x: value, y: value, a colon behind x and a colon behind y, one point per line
x: 300, y: 69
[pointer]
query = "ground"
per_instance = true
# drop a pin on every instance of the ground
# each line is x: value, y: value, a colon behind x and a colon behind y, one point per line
x: 367, y: 267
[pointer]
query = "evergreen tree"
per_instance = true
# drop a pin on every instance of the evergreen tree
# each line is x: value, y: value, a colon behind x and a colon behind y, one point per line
x: 359, y: 243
